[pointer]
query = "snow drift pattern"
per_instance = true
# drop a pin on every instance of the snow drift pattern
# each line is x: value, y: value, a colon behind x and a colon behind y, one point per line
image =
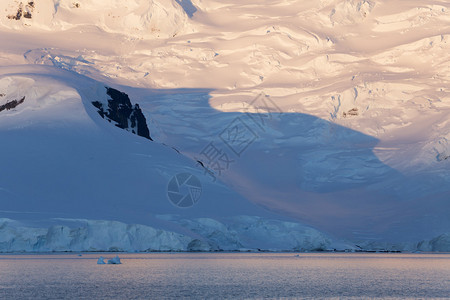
x: 156, y: 18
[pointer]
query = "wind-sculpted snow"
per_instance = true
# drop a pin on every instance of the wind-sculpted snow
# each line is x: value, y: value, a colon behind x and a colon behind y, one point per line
x: 155, y: 18
x: 355, y: 141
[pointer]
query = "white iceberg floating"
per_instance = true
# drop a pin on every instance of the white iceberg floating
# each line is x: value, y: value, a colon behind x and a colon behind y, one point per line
x: 101, y: 260
x: 114, y: 261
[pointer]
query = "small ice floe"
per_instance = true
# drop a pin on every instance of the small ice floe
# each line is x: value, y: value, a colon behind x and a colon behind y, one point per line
x: 101, y: 261
x: 114, y: 261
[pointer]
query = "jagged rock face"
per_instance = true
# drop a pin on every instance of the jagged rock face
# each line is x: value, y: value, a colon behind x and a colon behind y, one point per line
x: 11, y: 104
x: 120, y: 110
x: 21, y: 12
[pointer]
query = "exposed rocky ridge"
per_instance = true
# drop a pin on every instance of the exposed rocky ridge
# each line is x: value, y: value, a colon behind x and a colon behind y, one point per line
x: 11, y: 104
x: 23, y: 11
x: 120, y: 110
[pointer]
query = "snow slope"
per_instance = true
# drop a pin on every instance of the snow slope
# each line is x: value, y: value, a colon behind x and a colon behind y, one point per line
x: 67, y: 163
x: 345, y: 104
x: 159, y: 18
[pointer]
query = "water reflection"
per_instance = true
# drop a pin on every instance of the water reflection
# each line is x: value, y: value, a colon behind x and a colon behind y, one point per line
x: 232, y: 275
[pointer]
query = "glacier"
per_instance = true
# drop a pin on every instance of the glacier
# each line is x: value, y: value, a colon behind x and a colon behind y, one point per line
x: 345, y: 104
x: 245, y: 233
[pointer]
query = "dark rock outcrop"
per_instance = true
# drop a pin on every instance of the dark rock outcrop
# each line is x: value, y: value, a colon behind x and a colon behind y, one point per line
x: 351, y: 112
x: 18, y: 15
x: 11, y: 104
x: 21, y: 12
x: 443, y: 156
x: 120, y: 110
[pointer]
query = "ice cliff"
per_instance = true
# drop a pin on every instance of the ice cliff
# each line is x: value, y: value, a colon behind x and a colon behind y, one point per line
x: 245, y: 233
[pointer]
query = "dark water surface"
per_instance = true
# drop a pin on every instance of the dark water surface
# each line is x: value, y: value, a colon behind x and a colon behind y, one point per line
x: 226, y: 275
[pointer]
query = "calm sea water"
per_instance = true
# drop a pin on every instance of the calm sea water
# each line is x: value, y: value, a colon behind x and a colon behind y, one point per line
x: 225, y: 275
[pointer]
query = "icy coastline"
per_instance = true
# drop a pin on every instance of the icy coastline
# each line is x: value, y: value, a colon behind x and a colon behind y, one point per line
x: 206, y: 235
x: 246, y: 233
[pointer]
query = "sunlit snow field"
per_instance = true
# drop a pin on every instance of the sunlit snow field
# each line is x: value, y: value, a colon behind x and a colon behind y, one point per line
x: 226, y: 275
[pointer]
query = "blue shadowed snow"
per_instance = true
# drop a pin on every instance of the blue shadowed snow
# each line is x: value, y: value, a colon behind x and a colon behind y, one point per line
x: 65, y: 161
x: 188, y: 7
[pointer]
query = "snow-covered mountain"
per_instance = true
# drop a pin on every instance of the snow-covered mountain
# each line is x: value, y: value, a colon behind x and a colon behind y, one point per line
x: 155, y: 18
x: 307, y: 125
